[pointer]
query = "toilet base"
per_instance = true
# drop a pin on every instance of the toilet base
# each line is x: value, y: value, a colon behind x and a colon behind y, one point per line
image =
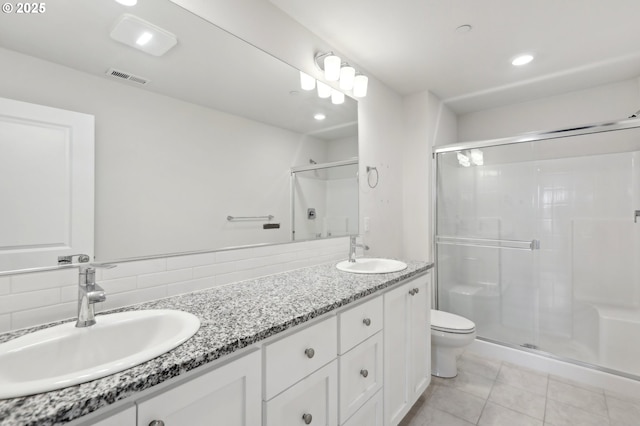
x: 443, y: 362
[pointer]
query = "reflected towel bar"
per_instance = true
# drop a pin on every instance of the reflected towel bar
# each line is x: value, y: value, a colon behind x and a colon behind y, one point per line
x: 489, y: 243
x: 232, y: 218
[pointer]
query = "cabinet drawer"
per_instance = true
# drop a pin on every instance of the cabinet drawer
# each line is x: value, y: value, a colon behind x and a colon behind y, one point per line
x: 360, y: 323
x: 298, y: 355
x: 370, y: 414
x: 360, y: 375
x: 314, y: 397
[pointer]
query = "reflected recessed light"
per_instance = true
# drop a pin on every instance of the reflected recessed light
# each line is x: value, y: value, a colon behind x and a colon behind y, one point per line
x: 128, y: 2
x: 522, y: 60
x: 143, y: 35
x: 319, y: 116
x: 144, y: 38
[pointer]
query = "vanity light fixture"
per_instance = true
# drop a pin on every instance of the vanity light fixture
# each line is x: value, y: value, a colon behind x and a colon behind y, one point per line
x: 337, y: 97
x: 324, y: 90
x: 307, y: 82
x: 347, y: 76
x: 522, y: 60
x: 143, y: 35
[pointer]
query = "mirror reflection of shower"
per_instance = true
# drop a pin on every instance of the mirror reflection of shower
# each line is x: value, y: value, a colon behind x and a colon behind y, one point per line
x: 324, y: 200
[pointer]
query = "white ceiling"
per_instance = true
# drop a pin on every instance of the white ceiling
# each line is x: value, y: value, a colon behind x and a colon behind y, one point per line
x: 412, y: 45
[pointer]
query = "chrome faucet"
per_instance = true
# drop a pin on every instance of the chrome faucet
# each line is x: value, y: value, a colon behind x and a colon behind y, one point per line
x: 352, y: 248
x: 89, y: 293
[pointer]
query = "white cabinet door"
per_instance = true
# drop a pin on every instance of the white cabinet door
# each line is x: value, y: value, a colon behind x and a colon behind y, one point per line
x: 123, y: 418
x: 313, y: 400
x: 360, y: 375
x: 228, y: 395
x: 407, y: 347
x: 46, y: 184
x: 370, y: 414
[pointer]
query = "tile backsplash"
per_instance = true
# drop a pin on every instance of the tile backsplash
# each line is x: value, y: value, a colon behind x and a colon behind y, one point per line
x: 35, y: 298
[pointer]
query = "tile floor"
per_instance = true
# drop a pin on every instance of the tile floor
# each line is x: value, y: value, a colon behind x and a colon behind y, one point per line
x: 493, y: 393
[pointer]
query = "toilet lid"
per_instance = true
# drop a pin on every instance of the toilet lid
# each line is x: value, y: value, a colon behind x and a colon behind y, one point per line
x: 451, y: 323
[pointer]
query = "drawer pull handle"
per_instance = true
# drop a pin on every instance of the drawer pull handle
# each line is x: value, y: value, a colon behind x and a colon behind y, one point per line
x: 309, y: 352
x: 307, y: 418
x: 156, y: 423
x: 366, y: 322
x: 364, y: 373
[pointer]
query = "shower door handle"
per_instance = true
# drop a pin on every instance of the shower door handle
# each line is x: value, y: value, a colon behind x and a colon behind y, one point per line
x: 635, y: 216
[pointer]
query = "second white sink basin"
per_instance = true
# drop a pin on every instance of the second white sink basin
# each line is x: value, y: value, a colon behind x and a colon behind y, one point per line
x: 63, y: 355
x: 371, y: 265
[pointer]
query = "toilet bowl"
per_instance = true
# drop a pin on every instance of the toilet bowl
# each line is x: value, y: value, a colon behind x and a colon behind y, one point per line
x: 449, y: 332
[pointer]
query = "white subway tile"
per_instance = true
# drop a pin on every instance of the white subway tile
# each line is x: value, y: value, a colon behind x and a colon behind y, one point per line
x: 192, y: 285
x: 33, y: 299
x: 5, y: 323
x: 217, y: 269
x: 5, y: 285
x: 128, y: 269
x: 42, y: 280
x: 232, y: 255
x: 132, y: 297
x: 69, y: 293
x: 233, y: 277
x: 190, y: 261
x: 43, y: 315
x: 162, y: 278
x: 119, y: 285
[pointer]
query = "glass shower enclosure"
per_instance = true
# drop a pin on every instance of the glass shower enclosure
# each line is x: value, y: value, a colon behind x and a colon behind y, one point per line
x: 538, y: 242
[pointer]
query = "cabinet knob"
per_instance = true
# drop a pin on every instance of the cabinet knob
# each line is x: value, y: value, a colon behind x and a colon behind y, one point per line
x: 416, y: 290
x: 366, y: 322
x: 307, y: 418
x: 156, y: 423
x: 364, y: 373
x: 309, y: 352
x: 412, y: 292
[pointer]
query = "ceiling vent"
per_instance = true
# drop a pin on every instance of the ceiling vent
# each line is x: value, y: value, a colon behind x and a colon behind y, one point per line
x: 123, y: 75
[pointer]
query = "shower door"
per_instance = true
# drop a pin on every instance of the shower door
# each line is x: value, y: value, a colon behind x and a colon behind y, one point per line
x: 487, y: 240
x: 538, y: 243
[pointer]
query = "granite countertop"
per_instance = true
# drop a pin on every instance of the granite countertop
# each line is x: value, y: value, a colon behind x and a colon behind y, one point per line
x: 232, y: 317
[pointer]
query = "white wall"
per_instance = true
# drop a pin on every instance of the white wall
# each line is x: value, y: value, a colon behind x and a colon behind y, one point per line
x: 611, y: 102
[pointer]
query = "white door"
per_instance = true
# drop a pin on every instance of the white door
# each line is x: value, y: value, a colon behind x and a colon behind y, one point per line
x: 46, y: 184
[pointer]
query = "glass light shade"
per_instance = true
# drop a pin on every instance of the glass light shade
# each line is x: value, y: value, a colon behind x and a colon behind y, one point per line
x: 347, y: 75
x: 307, y: 82
x: 332, y: 67
x: 324, y: 91
x: 337, y: 97
x: 360, y: 83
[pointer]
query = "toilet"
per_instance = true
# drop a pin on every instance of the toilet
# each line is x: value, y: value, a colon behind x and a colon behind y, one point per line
x: 449, y: 332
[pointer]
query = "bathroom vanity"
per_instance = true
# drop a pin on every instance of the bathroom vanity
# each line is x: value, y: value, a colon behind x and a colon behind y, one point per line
x: 310, y: 346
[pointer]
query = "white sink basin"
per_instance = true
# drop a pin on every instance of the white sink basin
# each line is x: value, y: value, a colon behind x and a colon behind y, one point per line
x: 63, y: 355
x: 371, y: 265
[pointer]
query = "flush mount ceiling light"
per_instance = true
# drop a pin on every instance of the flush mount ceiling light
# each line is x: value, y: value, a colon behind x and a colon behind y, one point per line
x: 346, y: 75
x: 319, y: 116
x: 307, y: 82
x: 522, y: 60
x: 143, y: 35
x: 337, y: 97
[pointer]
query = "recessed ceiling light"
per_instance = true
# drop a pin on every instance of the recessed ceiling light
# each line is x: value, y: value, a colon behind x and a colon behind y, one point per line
x: 128, y: 2
x: 522, y: 60
x: 319, y: 116
x: 143, y: 35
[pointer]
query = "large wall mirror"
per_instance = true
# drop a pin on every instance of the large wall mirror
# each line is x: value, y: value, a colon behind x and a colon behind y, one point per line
x: 209, y: 130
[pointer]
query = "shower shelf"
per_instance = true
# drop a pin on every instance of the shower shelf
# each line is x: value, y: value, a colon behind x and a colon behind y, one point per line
x: 489, y: 243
